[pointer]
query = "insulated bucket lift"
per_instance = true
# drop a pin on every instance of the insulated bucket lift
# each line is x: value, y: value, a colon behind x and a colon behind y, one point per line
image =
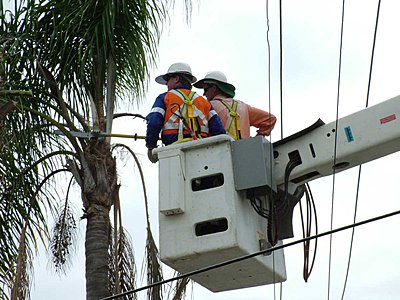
x: 205, y: 220
x: 205, y: 187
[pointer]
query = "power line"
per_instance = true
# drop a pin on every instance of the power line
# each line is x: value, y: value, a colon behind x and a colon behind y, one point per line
x: 241, y: 258
x: 373, y: 52
x: 359, y: 168
x: 352, y: 233
x: 335, y: 146
x: 280, y: 64
x: 269, y: 109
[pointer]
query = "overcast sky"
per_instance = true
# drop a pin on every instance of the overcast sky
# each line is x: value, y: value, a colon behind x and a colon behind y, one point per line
x: 231, y: 36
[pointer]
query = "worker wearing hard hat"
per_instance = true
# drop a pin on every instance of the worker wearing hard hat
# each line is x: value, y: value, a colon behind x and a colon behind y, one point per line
x: 236, y: 116
x: 179, y: 113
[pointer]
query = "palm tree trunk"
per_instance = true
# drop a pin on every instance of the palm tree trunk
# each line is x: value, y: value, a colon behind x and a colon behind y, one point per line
x: 99, y: 191
x: 97, y: 245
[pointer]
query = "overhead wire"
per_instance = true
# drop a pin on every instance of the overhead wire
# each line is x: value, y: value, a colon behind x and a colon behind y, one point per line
x: 373, y: 52
x: 352, y: 233
x: 272, y: 220
x: 360, y: 167
x: 335, y: 147
x: 272, y: 212
x: 281, y: 64
x: 283, y: 205
x: 248, y: 256
x: 270, y: 137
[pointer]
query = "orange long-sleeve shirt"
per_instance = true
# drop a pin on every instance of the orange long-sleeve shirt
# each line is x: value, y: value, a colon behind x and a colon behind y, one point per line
x: 249, y: 116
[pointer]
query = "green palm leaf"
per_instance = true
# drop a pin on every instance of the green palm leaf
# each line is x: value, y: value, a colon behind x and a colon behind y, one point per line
x: 63, y: 65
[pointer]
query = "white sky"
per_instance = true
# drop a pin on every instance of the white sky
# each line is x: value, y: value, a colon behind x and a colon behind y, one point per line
x: 231, y: 36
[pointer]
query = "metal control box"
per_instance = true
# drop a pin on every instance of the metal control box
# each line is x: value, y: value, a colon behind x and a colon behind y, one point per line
x: 253, y: 164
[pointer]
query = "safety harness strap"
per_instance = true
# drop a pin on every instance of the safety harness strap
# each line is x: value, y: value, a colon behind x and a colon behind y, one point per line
x: 189, y: 118
x: 234, y: 123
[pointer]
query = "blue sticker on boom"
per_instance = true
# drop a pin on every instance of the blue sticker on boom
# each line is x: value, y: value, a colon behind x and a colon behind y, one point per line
x: 349, y: 134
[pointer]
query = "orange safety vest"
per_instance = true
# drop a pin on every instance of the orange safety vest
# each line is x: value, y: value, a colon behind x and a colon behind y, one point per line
x: 186, y: 113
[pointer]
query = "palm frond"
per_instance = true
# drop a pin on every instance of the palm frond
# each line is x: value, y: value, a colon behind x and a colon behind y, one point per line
x: 5, y: 109
x: 154, y: 269
x: 21, y: 219
x: 71, y: 46
x: 20, y: 178
x: 78, y: 40
x: 178, y: 287
x: 152, y: 257
x: 122, y: 266
x: 21, y: 280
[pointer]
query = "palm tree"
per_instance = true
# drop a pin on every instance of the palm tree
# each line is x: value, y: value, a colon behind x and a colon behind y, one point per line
x: 76, y: 59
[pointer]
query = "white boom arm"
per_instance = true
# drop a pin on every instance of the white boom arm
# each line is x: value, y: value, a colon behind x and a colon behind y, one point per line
x: 360, y: 137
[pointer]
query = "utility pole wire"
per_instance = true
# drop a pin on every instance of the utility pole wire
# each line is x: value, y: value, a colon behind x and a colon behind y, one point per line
x: 231, y: 261
x: 359, y: 168
x: 335, y: 146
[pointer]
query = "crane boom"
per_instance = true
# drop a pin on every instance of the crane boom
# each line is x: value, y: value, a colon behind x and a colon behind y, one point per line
x: 358, y: 138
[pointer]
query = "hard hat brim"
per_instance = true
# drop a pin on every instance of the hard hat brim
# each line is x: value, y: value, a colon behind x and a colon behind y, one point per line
x: 200, y: 84
x: 161, y: 78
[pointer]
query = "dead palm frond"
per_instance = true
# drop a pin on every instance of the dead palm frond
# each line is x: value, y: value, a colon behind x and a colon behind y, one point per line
x: 152, y: 263
x: 126, y: 264
x: 21, y: 280
x: 177, y: 289
x: 122, y: 266
x: 154, y: 270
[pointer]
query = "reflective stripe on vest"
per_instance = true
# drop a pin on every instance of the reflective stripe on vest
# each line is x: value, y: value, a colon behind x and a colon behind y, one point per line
x: 234, y: 124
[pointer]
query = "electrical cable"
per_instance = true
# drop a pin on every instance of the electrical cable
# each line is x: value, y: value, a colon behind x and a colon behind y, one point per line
x: 311, y: 210
x: 269, y: 214
x: 288, y: 170
x: 373, y: 52
x: 275, y: 209
x: 352, y: 233
x: 280, y: 64
x: 271, y: 160
x: 359, y: 169
x: 257, y: 204
x: 270, y: 140
x: 272, y: 227
x: 244, y: 257
x: 280, y: 208
x: 283, y: 205
x: 335, y: 147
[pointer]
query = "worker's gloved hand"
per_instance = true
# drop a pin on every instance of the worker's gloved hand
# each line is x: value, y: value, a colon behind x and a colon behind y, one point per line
x: 152, y: 157
x: 263, y: 132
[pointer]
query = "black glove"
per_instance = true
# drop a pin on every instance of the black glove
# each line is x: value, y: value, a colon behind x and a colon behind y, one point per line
x: 152, y: 157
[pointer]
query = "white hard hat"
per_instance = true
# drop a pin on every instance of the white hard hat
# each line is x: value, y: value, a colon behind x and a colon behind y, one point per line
x: 218, y: 78
x: 177, y: 68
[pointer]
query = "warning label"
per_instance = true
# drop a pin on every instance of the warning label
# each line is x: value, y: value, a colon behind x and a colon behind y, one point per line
x: 388, y: 119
